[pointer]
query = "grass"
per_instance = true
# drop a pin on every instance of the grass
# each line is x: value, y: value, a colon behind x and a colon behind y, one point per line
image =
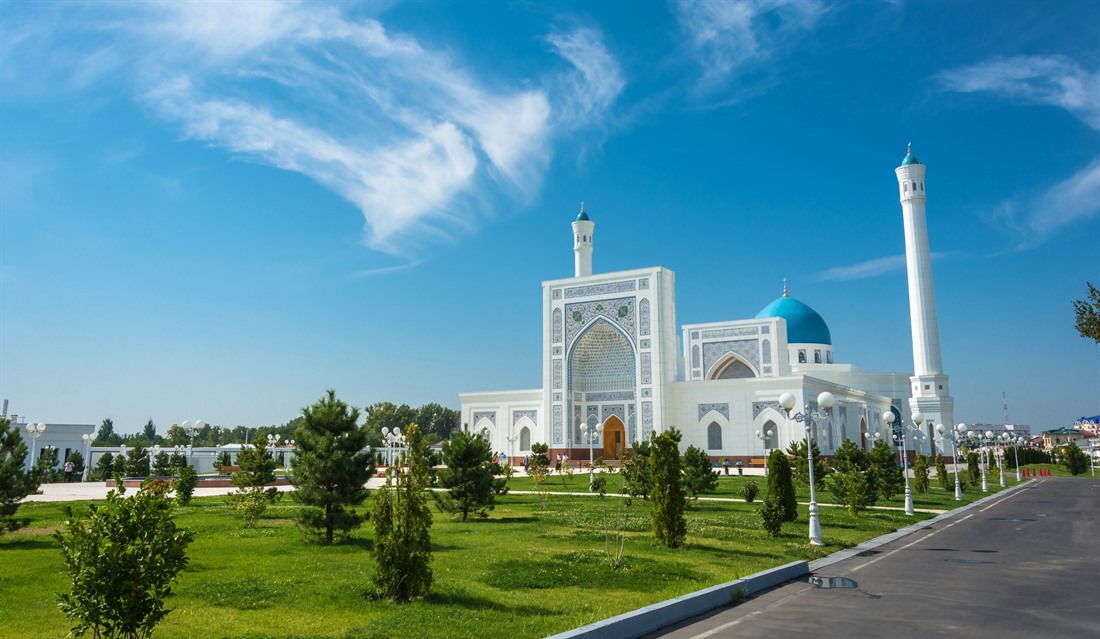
x: 523, y: 572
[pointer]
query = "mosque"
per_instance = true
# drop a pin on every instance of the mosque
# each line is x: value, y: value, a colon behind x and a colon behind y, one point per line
x: 615, y: 369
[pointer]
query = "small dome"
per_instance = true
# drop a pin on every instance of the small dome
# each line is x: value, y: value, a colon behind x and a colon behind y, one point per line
x: 804, y: 325
x: 909, y: 157
x: 583, y: 217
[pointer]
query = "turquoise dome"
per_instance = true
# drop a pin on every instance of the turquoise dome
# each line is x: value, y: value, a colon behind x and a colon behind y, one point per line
x: 583, y: 217
x: 804, y: 325
x: 909, y: 157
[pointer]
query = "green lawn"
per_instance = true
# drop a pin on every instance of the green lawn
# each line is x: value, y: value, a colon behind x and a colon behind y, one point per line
x: 523, y: 572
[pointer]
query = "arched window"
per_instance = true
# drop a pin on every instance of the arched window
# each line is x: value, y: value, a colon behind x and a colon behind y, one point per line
x: 771, y: 442
x: 914, y: 186
x: 801, y: 356
x: 714, y: 436
x: 695, y: 356
x: 525, y: 438
x: 817, y: 356
x: 922, y: 187
x: 829, y: 357
x: 766, y: 346
x: 905, y: 187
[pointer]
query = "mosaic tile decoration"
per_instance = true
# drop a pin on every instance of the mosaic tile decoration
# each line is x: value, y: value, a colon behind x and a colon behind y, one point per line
x: 647, y: 419
x: 645, y: 343
x: 557, y: 425
x: 647, y: 392
x: 695, y: 356
x: 557, y: 397
x: 609, y: 288
x: 723, y: 409
x: 767, y: 370
x: 732, y: 332
x: 759, y: 407
x: 747, y: 349
x: 556, y: 294
x: 766, y: 329
x: 643, y: 316
x: 609, y: 396
x: 557, y: 350
x: 632, y: 427
x: 557, y: 373
x: 490, y: 415
x: 618, y: 311
x: 618, y: 410
x: 529, y: 414
x: 555, y: 330
x: 695, y: 335
x: 643, y: 283
x: 647, y: 368
x: 593, y: 411
x: 766, y: 347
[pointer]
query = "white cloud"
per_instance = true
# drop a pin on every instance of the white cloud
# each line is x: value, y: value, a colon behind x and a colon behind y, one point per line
x: 724, y: 36
x: 403, y: 132
x: 1034, y: 220
x: 870, y: 268
x: 1050, y: 80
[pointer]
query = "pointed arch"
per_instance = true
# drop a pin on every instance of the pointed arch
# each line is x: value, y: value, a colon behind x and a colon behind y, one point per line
x: 714, y: 436
x: 601, y: 358
x: 525, y: 438
x: 731, y: 366
x: 614, y: 437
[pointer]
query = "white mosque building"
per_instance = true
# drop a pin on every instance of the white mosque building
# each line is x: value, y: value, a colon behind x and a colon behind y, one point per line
x: 613, y: 359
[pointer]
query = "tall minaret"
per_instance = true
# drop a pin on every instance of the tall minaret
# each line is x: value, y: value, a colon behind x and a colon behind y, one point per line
x: 930, y: 392
x: 582, y: 244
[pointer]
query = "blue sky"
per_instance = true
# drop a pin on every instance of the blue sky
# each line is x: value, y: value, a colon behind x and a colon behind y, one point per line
x: 218, y: 211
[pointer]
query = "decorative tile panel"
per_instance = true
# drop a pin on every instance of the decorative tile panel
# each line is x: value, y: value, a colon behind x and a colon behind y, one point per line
x: 557, y: 350
x: 609, y: 396
x: 490, y: 415
x: 618, y: 410
x: 529, y: 414
x: 599, y: 289
x: 695, y: 356
x: 643, y: 283
x: 555, y: 329
x: 748, y: 349
x: 647, y: 419
x: 618, y: 311
x: 647, y: 392
x: 647, y: 368
x: 557, y: 373
x: 766, y: 347
x: 593, y: 411
x: 632, y: 425
x: 767, y: 370
x: 723, y: 409
x: 764, y: 330
x: 732, y: 332
x: 645, y: 343
x: 760, y: 407
x: 557, y: 425
x: 643, y: 316
x: 557, y: 397
x: 556, y: 294
x: 695, y: 335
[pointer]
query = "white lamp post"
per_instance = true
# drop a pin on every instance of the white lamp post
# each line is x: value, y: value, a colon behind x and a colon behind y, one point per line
x: 764, y: 437
x: 392, y: 439
x: 191, y: 428
x: 35, y: 431
x: 88, y: 439
x: 153, y: 452
x: 289, y: 443
x: 590, y: 434
x: 942, y: 431
x: 825, y: 400
x: 977, y: 437
x: 1002, y: 440
x: 918, y: 418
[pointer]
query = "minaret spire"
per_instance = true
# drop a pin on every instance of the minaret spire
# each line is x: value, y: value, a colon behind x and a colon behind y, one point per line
x: 582, y: 244
x: 785, y: 287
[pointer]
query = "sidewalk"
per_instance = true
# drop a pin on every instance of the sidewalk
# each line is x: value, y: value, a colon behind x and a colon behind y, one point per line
x: 98, y: 490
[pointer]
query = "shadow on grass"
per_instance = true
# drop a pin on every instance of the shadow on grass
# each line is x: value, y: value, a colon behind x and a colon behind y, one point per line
x: 470, y: 602
x: 30, y: 543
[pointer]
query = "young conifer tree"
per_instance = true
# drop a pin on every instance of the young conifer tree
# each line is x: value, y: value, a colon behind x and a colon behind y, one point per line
x: 402, y: 523
x: 331, y: 468
x: 15, y: 482
x: 470, y: 477
x: 668, y: 497
x: 781, y: 485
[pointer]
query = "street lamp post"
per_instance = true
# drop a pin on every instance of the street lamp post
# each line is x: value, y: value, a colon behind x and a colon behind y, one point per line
x: 942, y: 431
x: 392, y: 439
x: 1002, y: 441
x: 35, y: 431
x: 825, y: 400
x: 590, y: 434
x: 191, y: 428
x: 918, y: 418
x: 289, y: 443
x: 764, y: 437
x: 88, y: 439
x: 977, y: 437
x: 153, y: 452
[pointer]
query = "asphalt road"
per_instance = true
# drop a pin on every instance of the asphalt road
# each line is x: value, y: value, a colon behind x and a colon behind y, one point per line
x: 1024, y: 565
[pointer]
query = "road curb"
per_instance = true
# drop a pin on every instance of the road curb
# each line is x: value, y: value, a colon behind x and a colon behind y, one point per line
x: 643, y: 621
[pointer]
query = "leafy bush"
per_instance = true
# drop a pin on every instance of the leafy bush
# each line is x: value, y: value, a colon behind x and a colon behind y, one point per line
x: 772, y: 514
x: 250, y: 504
x: 539, y: 470
x: 780, y: 484
x: 121, y: 558
x: 636, y: 474
x: 669, y: 501
x: 185, y: 484
x: 749, y: 490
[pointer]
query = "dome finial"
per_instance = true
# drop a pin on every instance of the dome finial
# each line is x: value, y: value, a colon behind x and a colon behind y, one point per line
x: 785, y: 287
x: 582, y: 216
x: 582, y: 206
x: 908, y: 150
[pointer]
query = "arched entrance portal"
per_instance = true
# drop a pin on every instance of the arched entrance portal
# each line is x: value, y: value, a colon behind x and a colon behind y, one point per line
x: 614, y: 438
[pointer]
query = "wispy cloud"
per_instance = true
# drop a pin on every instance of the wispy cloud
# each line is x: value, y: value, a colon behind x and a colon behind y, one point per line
x: 1035, y: 219
x: 407, y: 134
x: 870, y: 268
x: 725, y: 36
x: 1046, y: 80
x: 1049, y: 80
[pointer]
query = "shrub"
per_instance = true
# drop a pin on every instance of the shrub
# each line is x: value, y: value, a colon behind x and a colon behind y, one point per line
x: 539, y: 470
x: 104, y: 468
x: 889, y: 479
x: 941, y: 471
x: 749, y: 490
x: 1075, y: 459
x: 920, y: 473
x: 698, y: 476
x: 15, y: 483
x: 614, y: 524
x: 636, y: 474
x: 137, y: 462
x: 402, y: 541
x: 973, y: 468
x: 470, y: 477
x: 162, y: 464
x: 185, y: 485
x: 800, y: 465
x: 780, y: 484
x: 854, y: 483
x: 669, y: 501
x: 121, y: 557
x: 772, y: 514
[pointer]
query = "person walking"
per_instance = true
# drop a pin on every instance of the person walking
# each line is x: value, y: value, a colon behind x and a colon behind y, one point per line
x: 69, y: 470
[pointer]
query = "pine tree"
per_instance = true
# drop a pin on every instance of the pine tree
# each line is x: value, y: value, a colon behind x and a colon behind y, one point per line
x: 854, y: 482
x: 781, y: 485
x: 331, y: 468
x: 1075, y: 459
x: 699, y: 478
x: 941, y: 471
x: 402, y: 523
x: 257, y: 471
x: 669, y: 501
x: 470, y: 476
x: 920, y: 474
x: 15, y: 482
x: 635, y: 471
x: 888, y: 475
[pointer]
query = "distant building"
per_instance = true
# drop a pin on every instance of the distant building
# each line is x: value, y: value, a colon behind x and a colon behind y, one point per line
x: 1015, y: 430
x: 1090, y: 426
x: 1060, y: 437
x: 66, y: 438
